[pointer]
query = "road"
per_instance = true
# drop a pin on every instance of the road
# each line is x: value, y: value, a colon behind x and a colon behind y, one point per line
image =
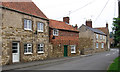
x: 99, y: 61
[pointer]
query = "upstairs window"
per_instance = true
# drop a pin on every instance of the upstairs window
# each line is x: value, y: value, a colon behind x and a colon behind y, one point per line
x: 97, y: 36
x: 73, y: 49
x: 55, y: 32
x: 27, y: 48
x: 40, y: 27
x: 96, y: 45
x: 40, y: 48
x: 27, y: 24
x: 101, y: 37
x: 104, y: 37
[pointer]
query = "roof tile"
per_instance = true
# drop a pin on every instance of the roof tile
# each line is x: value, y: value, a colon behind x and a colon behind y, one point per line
x: 26, y: 7
x: 61, y: 25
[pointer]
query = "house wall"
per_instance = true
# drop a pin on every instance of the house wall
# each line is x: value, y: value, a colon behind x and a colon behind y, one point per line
x: 12, y: 30
x: 88, y: 41
x: 65, y: 38
x: 99, y: 41
x: 0, y: 34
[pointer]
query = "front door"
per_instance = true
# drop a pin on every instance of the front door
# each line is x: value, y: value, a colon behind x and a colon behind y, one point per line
x: 15, y: 52
x: 65, y: 51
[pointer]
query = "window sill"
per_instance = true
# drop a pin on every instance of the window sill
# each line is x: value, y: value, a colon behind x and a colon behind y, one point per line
x: 40, y: 52
x: 27, y: 29
x: 55, y: 35
x: 27, y: 53
x: 73, y: 52
x: 40, y: 31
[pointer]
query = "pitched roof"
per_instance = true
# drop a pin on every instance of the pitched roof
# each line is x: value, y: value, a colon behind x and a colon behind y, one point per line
x: 95, y: 30
x: 103, y: 29
x: 25, y: 7
x: 61, y: 25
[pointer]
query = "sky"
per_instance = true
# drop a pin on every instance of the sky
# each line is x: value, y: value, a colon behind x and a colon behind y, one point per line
x: 99, y: 11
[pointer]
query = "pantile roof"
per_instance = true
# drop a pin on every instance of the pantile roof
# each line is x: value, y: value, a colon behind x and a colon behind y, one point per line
x: 61, y: 25
x: 25, y: 7
x: 103, y: 29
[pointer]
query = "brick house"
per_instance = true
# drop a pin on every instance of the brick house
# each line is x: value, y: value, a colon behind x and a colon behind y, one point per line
x: 24, y: 33
x: 64, y: 38
x: 91, y: 40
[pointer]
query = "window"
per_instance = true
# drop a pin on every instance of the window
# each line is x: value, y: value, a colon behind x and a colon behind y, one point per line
x: 96, y: 36
x: 73, y: 49
x: 102, y: 45
x: 40, y: 27
x: 104, y: 37
x: 27, y: 48
x: 100, y: 36
x: 27, y: 24
x: 40, y: 48
x: 55, y: 32
x: 96, y: 45
x: 14, y: 47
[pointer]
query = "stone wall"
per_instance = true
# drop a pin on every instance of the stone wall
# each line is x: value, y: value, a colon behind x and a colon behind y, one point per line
x: 86, y: 46
x: 13, y: 31
x: 58, y: 51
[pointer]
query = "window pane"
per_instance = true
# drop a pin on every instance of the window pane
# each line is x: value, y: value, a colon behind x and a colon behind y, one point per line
x: 14, y: 51
x: 25, y: 23
x: 38, y: 26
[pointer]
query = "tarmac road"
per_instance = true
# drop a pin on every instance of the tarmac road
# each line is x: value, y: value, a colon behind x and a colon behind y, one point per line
x: 99, y: 61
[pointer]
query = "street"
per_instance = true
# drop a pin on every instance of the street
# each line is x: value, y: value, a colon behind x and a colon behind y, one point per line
x: 99, y: 61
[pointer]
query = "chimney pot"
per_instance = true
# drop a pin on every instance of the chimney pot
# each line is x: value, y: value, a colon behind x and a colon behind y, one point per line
x: 76, y: 26
x: 107, y: 25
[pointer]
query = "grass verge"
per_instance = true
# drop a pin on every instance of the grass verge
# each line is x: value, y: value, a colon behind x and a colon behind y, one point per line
x: 115, y: 66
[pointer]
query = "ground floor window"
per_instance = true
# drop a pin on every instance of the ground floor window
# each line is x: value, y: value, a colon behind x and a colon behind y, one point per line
x: 73, y: 49
x: 40, y: 48
x: 102, y: 45
x: 27, y: 48
x: 96, y: 45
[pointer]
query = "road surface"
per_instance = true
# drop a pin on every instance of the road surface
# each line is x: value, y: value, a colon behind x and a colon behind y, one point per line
x: 99, y: 61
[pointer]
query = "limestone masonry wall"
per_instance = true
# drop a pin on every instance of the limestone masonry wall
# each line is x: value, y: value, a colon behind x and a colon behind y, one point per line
x: 12, y: 30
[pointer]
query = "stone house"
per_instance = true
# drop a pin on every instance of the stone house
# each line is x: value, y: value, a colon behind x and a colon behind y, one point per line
x: 91, y: 40
x: 24, y: 33
x: 106, y: 31
x: 64, y: 38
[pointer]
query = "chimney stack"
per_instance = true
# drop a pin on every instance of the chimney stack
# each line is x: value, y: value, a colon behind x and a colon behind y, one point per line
x: 106, y: 25
x: 89, y: 23
x: 76, y: 26
x: 66, y: 20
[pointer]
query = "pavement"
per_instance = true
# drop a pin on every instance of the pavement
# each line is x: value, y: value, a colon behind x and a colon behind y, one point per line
x: 50, y: 64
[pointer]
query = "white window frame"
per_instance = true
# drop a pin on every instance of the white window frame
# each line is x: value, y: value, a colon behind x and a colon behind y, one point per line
x: 74, y: 48
x: 55, y: 32
x: 28, y: 24
x: 97, y: 36
x: 40, y: 28
x: 102, y: 45
x: 28, y: 45
x: 97, y: 45
x: 104, y: 37
x: 40, y: 45
x: 101, y: 37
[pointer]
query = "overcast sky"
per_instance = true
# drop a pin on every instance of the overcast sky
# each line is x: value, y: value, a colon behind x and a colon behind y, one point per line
x: 100, y: 11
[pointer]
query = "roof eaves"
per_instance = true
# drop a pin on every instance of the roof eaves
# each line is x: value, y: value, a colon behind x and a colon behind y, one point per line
x: 24, y: 13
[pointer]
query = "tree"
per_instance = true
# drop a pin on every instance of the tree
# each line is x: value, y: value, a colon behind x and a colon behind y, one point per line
x: 116, y: 31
